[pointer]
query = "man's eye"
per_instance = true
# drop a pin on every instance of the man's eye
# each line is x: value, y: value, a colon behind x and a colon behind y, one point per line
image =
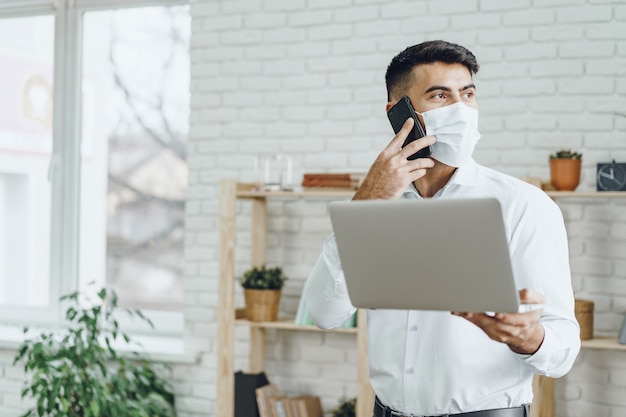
x: 440, y: 95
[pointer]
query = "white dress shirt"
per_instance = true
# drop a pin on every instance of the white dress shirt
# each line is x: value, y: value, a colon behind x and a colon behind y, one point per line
x: 431, y: 362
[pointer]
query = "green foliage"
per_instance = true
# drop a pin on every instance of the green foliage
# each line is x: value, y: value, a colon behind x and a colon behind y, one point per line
x: 263, y: 278
x: 346, y: 408
x: 566, y: 154
x: 76, y: 372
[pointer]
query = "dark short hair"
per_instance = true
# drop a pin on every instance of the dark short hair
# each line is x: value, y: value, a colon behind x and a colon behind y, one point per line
x: 399, y: 74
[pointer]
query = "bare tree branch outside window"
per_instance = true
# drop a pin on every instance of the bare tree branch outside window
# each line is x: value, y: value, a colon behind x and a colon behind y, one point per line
x: 147, y: 173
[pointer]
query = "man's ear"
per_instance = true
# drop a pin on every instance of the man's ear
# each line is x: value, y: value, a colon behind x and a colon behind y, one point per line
x: 389, y: 105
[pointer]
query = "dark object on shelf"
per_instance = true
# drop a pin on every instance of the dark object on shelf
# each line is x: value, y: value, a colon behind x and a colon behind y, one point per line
x: 622, y: 333
x: 245, y: 396
x: 611, y: 176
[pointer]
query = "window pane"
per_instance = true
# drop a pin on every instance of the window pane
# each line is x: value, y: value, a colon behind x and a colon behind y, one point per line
x: 26, y: 70
x: 134, y: 171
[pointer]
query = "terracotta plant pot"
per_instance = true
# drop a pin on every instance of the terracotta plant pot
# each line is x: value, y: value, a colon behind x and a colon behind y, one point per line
x: 262, y: 305
x: 565, y: 173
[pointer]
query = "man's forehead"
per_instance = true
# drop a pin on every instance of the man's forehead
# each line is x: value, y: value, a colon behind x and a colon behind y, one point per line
x: 441, y: 74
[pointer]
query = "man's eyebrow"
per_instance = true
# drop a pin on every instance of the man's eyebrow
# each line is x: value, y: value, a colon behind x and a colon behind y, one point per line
x: 436, y: 87
x: 444, y: 88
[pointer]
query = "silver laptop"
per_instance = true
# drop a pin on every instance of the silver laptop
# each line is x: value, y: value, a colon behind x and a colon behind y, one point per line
x: 425, y: 254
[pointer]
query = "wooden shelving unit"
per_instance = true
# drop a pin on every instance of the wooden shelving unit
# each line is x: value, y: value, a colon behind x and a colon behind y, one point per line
x: 603, y: 342
x: 586, y: 194
x: 288, y: 324
x: 230, y: 193
x: 598, y: 342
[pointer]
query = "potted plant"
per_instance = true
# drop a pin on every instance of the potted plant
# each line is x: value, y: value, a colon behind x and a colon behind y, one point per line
x: 565, y: 168
x: 262, y: 290
x: 77, y: 371
x: 346, y: 408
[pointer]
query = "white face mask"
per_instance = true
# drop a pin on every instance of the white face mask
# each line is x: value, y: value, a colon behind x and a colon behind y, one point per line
x: 456, y: 129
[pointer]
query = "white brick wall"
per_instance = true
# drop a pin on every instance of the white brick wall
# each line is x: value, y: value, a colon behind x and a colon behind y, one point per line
x: 306, y: 78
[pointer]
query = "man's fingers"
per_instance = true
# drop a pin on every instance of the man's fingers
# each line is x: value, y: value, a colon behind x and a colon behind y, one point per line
x: 401, y: 136
x: 418, y: 167
x: 416, y: 146
x: 528, y: 296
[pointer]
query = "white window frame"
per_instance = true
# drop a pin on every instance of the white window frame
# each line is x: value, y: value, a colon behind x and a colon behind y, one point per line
x: 65, y: 160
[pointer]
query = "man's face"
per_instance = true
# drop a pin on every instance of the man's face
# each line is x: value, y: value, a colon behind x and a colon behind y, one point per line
x: 438, y: 85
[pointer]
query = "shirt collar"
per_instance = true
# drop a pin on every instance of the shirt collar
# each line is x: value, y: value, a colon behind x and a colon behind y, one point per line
x: 464, y: 175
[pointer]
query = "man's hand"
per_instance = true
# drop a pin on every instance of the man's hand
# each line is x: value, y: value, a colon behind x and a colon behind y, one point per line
x: 391, y: 173
x: 522, y: 332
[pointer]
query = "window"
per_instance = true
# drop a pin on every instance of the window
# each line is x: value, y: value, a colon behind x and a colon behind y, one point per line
x: 26, y: 79
x: 93, y: 172
x: 134, y: 171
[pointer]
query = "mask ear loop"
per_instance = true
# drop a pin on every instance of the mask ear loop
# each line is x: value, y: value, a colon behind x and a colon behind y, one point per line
x: 422, y: 122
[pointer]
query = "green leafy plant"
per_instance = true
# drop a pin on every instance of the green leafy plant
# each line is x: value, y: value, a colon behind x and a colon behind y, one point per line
x: 346, y: 408
x: 262, y: 278
x: 566, y: 154
x: 77, y: 372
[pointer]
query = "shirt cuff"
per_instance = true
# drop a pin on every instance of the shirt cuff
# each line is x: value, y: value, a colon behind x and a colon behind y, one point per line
x: 548, y: 354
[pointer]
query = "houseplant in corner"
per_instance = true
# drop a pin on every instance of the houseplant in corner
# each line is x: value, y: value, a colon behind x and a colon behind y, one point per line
x: 262, y: 289
x: 77, y: 371
x: 565, y: 168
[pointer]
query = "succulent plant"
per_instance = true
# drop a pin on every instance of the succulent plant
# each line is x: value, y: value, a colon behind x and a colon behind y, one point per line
x: 262, y: 278
x: 566, y: 154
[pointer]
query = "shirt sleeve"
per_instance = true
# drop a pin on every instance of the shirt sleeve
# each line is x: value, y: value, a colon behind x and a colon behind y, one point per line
x: 540, y: 259
x: 325, y: 290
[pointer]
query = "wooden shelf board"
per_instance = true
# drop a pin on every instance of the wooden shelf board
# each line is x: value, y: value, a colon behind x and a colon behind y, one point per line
x: 586, y: 194
x: 344, y: 193
x: 288, y: 324
x: 603, y: 342
x: 332, y: 193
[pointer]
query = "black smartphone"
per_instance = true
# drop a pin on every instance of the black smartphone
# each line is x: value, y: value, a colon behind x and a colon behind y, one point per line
x: 397, y: 115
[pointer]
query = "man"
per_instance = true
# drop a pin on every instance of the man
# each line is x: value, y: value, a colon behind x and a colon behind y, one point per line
x: 432, y: 363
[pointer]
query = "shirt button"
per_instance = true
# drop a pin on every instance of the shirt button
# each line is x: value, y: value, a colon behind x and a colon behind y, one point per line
x: 409, y: 371
x: 413, y: 328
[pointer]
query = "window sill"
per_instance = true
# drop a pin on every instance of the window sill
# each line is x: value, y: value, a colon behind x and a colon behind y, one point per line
x: 165, y: 349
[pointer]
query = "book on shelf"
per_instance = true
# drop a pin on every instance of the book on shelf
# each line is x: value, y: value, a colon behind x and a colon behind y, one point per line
x: 302, y: 314
x: 279, y: 406
x: 350, y: 181
x: 264, y: 396
x: 308, y: 406
x: 291, y: 407
x: 299, y: 406
x: 272, y: 403
x: 283, y: 407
